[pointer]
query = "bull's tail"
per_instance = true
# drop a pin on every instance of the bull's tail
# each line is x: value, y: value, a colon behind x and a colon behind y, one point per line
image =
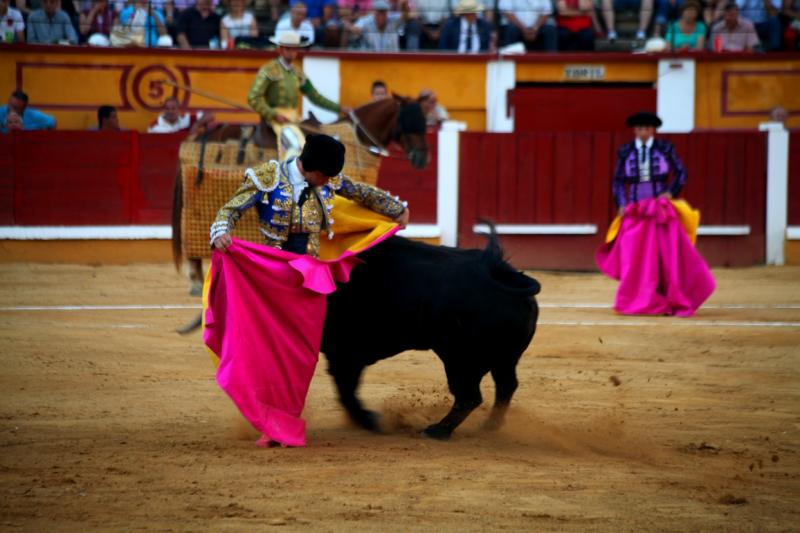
x: 500, y: 270
x: 177, y: 210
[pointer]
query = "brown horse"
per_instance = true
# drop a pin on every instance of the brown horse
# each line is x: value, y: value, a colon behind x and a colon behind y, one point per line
x: 366, y: 133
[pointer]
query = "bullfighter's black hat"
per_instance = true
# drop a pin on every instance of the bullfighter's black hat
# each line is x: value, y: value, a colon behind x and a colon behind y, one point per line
x: 643, y: 118
x: 323, y: 153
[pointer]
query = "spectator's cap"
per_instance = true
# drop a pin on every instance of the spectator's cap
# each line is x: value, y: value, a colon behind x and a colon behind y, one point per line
x: 691, y: 4
x: 164, y: 41
x: 381, y: 5
x: 643, y: 118
x: 289, y: 39
x: 323, y: 153
x: 466, y: 7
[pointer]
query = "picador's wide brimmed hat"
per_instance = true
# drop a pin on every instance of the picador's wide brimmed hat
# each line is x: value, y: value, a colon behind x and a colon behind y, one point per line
x: 643, y: 118
x: 466, y: 7
x: 323, y: 153
x: 289, y: 39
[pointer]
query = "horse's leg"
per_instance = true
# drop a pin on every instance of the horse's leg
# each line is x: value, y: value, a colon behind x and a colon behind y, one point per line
x: 347, y: 374
x: 196, y: 276
x: 465, y: 384
x: 505, y: 382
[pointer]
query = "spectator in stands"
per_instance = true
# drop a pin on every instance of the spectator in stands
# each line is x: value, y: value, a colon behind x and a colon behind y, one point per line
x: 379, y: 31
x: 141, y: 24
x: 238, y: 22
x: 198, y: 26
x: 296, y: 21
x: 50, y: 25
x: 645, y: 8
x: 575, y: 25
x: 790, y: 20
x: 379, y: 91
x: 13, y: 122
x: 530, y: 22
x: 352, y: 10
x: 97, y: 20
x: 779, y: 114
x: 687, y: 33
x: 764, y: 16
x: 107, y: 119
x: 13, y: 25
x: 314, y: 9
x: 171, y: 120
x: 330, y: 30
x: 433, y: 15
x: 32, y: 119
x: 434, y: 113
x: 465, y: 32
x: 734, y: 33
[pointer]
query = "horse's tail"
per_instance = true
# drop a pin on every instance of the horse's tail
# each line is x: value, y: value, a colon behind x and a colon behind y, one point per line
x: 177, y: 210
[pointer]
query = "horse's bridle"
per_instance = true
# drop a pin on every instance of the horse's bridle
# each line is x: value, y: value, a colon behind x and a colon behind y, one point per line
x: 382, y: 151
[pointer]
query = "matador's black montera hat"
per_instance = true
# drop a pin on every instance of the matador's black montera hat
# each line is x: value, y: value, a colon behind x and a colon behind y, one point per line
x: 323, y: 153
x: 643, y: 118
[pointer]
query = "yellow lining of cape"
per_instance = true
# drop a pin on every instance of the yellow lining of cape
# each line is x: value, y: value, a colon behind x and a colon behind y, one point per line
x: 688, y: 216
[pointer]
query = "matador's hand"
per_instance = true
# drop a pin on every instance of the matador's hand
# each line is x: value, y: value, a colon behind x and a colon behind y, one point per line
x: 402, y: 218
x: 222, y: 242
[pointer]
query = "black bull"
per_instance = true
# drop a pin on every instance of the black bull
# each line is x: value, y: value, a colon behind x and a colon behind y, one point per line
x: 475, y: 311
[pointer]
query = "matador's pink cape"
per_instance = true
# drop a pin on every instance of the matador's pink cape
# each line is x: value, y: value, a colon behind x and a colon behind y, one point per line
x: 660, y: 271
x: 264, y: 313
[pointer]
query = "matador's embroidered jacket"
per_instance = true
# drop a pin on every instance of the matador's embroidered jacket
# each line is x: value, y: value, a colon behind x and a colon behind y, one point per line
x: 280, y: 85
x: 268, y: 189
x: 661, y: 160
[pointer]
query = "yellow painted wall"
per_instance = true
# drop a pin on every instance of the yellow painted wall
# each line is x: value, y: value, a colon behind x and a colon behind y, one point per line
x: 71, y: 83
x: 460, y: 85
x: 740, y: 94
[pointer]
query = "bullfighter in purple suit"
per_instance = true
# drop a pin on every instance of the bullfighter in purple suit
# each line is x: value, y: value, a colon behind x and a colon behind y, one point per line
x: 644, y: 165
x: 650, y: 246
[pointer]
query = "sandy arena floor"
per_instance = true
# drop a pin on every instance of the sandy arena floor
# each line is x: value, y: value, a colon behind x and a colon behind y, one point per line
x: 111, y: 421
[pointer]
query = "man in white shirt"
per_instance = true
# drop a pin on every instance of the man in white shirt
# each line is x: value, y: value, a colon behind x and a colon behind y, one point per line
x: 530, y: 22
x: 379, y: 31
x: 13, y: 26
x: 173, y: 121
x: 296, y: 22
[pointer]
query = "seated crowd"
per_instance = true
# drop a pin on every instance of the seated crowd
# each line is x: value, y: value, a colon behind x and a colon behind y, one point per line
x: 464, y: 26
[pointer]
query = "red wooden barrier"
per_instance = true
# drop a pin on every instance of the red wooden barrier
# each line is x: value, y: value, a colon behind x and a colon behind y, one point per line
x: 565, y: 178
x: 6, y: 179
x: 794, y: 178
x: 158, y: 165
x: 69, y: 178
x: 417, y: 187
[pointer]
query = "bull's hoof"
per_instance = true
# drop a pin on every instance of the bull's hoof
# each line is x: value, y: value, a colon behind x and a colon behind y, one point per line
x: 493, y: 423
x: 436, y: 432
x: 369, y: 420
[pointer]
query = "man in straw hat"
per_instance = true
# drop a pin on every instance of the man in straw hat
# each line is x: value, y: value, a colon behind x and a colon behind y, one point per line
x: 466, y: 32
x: 275, y: 93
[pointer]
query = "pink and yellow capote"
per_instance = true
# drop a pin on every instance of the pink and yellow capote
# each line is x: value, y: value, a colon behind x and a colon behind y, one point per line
x: 264, y: 310
x: 650, y: 250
